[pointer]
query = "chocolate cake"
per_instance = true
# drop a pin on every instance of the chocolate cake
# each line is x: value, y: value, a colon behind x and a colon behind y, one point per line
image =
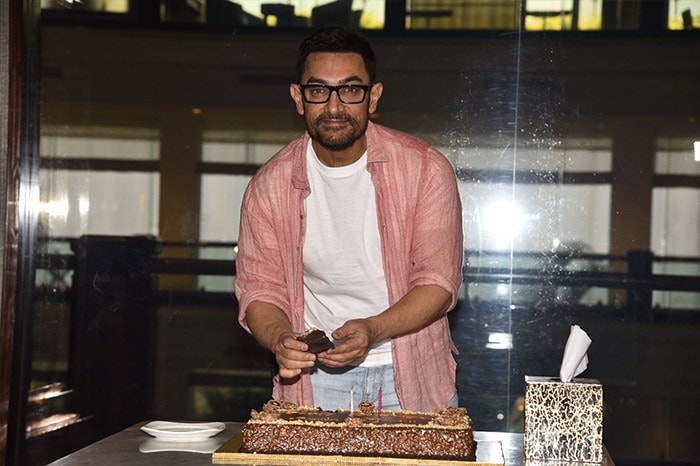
x: 285, y: 428
x: 317, y: 340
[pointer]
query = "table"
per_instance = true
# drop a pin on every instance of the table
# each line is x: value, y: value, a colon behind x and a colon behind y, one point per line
x: 122, y: 448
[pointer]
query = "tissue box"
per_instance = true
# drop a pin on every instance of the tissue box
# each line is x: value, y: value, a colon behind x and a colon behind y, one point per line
x: 563, y: 421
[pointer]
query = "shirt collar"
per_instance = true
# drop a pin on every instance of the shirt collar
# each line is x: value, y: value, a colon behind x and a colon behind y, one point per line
x: 374, y: 154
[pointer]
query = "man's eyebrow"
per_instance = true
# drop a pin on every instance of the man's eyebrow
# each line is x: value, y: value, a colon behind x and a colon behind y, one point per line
x: 349, y: 79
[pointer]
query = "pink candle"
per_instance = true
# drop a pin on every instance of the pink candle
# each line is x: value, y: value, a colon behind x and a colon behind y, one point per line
x: 379, y: 402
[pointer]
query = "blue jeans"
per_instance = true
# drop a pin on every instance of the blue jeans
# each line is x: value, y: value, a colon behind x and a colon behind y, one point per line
x: 332, y: 387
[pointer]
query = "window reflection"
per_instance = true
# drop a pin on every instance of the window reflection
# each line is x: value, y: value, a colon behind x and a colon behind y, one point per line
x: 540, y: 249
x: 77, y: 200
x: 531, y: 15
x: 86, y: 202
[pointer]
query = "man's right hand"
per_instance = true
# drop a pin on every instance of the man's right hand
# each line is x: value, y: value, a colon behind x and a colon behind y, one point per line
x: 292, y: 355
x: 270, y: 325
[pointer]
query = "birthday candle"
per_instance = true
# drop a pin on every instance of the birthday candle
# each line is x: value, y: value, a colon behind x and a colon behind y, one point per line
x: 352, y: 402
x: 379, y: 402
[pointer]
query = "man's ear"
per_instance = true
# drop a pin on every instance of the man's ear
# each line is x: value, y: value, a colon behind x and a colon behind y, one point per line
x: 295, y: 92
x: 375, y: 94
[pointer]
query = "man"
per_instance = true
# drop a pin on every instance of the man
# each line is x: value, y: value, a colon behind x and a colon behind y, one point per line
x: 355, y: 229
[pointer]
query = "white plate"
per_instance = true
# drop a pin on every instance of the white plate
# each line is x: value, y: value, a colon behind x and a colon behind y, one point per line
x: 209, y: 445
x: 166, y: 431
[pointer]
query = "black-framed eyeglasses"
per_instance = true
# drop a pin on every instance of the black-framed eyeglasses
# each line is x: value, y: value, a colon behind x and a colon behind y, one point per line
x: 347, y: 93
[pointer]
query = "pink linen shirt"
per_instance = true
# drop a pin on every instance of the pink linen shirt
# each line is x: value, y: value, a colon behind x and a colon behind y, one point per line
x: 420, y: 221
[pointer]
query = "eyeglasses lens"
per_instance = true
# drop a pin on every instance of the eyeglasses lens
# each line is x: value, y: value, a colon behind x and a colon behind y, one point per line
x: 348, y: 94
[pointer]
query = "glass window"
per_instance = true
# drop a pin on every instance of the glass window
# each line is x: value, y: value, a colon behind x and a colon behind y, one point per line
x: 533, y: 15
x: 79, y: 202
x: 544, y: 131
x: 676, y: 218
x: 242, y: 146
x: 684, y: 14
x: 226, y: 152
x: 535, y: 218
x: 95, y: 142
x: 107, y: 6
x: 221, y: 201
x: 676, y: 156
x: 590, y: 155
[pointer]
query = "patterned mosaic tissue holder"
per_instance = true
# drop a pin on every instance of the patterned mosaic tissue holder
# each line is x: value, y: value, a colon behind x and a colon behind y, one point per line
x: 563, y: 420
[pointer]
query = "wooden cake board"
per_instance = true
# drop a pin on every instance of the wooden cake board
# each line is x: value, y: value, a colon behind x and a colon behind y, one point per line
x: 488, y: 453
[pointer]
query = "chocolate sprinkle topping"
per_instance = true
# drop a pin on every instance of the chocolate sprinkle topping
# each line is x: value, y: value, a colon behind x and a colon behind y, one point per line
x: 400, y: 434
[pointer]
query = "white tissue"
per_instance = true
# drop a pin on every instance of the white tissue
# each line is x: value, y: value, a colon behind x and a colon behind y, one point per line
x: 575, y: 358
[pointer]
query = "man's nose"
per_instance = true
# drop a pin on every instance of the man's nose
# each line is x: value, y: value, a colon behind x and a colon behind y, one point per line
x: 334, y: 99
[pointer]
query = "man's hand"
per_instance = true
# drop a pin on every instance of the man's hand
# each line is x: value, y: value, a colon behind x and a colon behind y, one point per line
x: 292, y: 355
x: 272, y: 329
x: 418, y: 308
x: 356, y: 337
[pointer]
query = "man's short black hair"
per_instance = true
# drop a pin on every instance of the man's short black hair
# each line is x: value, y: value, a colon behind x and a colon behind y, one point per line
x: 336, y: 38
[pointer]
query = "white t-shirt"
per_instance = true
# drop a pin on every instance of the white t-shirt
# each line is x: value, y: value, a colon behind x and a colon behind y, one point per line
x: 343, y: 273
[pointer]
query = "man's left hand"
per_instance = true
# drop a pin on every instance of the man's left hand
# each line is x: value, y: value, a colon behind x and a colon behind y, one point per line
x: 356, y: 337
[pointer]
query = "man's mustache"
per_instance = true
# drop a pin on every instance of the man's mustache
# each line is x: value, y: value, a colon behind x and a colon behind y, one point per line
x: 339, y: 116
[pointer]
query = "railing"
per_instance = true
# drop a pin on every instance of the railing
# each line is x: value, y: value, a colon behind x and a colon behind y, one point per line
x: 638, y: 265
x: 638, y: 276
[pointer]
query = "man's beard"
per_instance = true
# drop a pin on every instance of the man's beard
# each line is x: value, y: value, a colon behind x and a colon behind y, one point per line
x: 335, y: 140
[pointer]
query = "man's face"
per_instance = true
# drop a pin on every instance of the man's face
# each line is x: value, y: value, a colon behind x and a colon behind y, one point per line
x: 334, y: 125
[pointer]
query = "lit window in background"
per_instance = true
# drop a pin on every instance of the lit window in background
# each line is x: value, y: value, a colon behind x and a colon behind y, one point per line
x: 503, y: 221
x: 372, y: 10
x: 116, y: 6
x: 55, y: 208
x: 677, y: 156
x: 678, y: 8
x: 108, y: 6
x: 555, y: 15
x: 544, y: 15
x: 500, y: 341
x: 551, y: 15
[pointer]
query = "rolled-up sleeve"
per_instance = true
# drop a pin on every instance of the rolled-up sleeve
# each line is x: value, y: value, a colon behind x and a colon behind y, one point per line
x: 258, y: 276
x: 437, y: 247
x: 420, y: 216
x: 268, y: 264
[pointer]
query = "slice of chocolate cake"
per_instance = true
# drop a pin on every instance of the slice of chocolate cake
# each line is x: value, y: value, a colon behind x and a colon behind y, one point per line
x: 317, y: 340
